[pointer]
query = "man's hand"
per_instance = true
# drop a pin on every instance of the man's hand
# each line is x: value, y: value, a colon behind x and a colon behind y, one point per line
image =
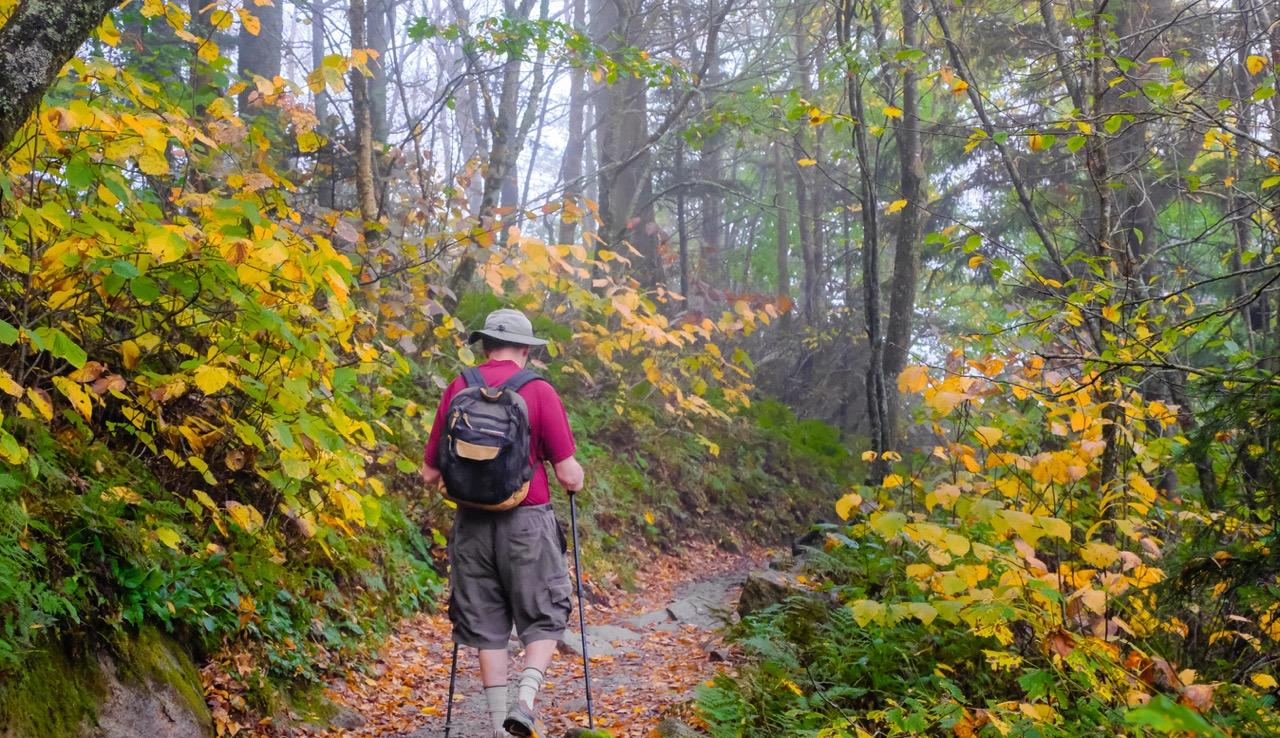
x: 570, y: 475
x: 430, y: 475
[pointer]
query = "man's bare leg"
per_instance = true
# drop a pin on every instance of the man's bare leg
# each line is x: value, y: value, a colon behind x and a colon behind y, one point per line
x: 537, y: 659
x: 493, y: 675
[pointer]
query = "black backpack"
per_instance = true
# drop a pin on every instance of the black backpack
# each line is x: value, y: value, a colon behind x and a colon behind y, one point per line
x: 484, y: 449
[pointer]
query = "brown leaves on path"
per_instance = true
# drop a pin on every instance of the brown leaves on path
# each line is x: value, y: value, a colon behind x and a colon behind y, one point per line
x: 403, y: 692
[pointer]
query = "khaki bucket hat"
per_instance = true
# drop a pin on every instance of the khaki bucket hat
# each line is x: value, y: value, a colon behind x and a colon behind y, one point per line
x: 510, y: 326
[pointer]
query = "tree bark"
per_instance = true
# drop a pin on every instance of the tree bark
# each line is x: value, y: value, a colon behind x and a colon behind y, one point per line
x: 906, y: 257
x: 325, y: 182
x: 784, y: 235
x: 260, y: 53
x: 622, y: 133
x: 571, y: 165
x: 877, y: 406
x: 380, y: 23
x: 38, y: 39
x: 363, y: 115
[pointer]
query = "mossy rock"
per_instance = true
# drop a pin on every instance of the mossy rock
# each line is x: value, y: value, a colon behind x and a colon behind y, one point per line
x: 151, y: 657
x: 141, y: 685
x: 52, y: 695
x: 584, y: 733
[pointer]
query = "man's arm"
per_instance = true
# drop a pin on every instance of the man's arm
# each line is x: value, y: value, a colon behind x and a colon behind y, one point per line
x: 430, y: 474
x: 569, y: 473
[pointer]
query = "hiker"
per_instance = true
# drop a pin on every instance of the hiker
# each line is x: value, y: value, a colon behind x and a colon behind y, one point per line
x: 507, y: 566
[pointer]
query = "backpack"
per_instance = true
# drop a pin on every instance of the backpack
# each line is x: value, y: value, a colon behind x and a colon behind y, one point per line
x: 484, y: 448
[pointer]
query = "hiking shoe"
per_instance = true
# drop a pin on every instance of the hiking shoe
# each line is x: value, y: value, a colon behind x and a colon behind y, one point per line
x: 523, y: 722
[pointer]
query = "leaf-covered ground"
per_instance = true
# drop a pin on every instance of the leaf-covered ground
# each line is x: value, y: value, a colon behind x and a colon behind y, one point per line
x: 649, y: 677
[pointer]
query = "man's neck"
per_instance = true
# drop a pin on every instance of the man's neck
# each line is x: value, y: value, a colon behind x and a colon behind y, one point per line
x: 520, y: 358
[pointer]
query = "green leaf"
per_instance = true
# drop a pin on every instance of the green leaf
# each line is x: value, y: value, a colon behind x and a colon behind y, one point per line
x: 8, y: 333
x: 1163, y: 715
x: 64, y: 348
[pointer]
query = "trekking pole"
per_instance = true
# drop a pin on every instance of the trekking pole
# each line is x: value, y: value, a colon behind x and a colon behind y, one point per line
x: 582, y: 618
x: 453, y: 680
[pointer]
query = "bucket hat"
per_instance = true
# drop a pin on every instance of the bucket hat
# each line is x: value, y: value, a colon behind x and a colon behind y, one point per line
x: 507, y: 325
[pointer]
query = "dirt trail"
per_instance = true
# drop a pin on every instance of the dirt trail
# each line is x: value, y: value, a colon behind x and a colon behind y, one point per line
x: 650, y: 649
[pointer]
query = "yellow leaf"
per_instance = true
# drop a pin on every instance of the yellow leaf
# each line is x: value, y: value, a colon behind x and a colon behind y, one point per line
x: 74, y: 392
x: 1255, y: 63
x: 865, y: 611
x: 1263, y: 681
x: 923, y: 611
x: 648, y: 518
x: 1099, y: 554
x: 892, y: 481
x: 1036, y: 141
x: 807, y: 162
x: 845, y: 505
x: 913, y: 379
x: 108, y: 33
x: 8, y: 385
x: 250, y: 22
x: 869, y: 455
x: 1085, y: 127
x: 988, y: 435
x: 210, y: 379
x: 919, y: 571
x: 892, y: 112
x: 40, y: 399
x: 959, y: 86
x: 1055, y: 527
x: 309, y: 141
x: 895, y: 206
x: 169, y: 537
x: 976, y: 260
x: 245, y: 516
x: 1111, y: 313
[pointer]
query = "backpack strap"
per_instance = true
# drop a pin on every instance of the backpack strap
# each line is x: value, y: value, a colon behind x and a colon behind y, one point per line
x: 518, y: 380
x: 474, y: 378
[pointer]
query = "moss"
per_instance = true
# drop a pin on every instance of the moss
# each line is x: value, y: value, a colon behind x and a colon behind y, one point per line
x: 150, y: 656
x: 50, y: 696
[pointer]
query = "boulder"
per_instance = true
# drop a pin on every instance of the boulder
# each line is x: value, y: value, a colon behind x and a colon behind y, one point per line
x: 765, y: 588
x: 145, y: 685
x: 152, y: 689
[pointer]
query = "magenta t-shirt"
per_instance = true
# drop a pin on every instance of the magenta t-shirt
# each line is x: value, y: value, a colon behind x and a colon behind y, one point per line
x: 550, y: 438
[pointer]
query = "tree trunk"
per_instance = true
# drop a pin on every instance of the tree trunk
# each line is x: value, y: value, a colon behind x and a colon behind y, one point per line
x: 363, y: 115
x: 36, y: 41
x: 571, y: 166
x: 877, y: 406
x: 381, y: 25
x: 784, y: 235
x: 325, y: 182
x: 622, y: 147
x: 260, y: 53
x: 906, y: 257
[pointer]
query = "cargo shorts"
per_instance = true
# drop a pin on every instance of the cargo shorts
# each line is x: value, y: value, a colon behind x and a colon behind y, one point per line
x: 507, y: 568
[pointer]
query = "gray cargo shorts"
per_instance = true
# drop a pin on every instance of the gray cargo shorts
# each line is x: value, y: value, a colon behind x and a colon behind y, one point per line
x: 504, y: 568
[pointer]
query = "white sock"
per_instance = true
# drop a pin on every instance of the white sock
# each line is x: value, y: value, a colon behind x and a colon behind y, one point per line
x: 497, y: 699
x: 530, y: 682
